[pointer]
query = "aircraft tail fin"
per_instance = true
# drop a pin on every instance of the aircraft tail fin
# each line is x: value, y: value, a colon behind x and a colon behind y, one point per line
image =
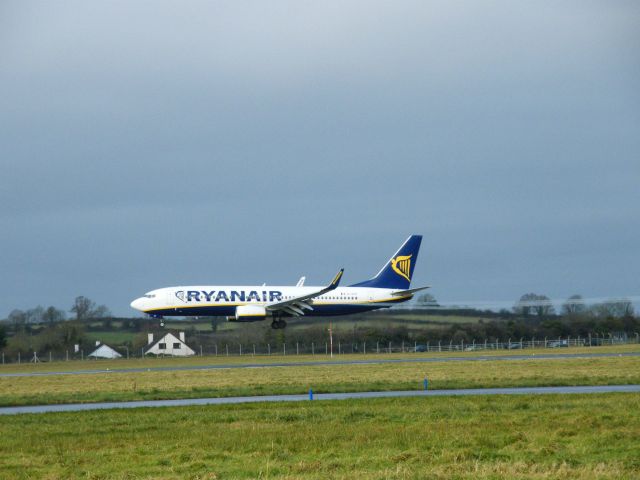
x: 397, y: 272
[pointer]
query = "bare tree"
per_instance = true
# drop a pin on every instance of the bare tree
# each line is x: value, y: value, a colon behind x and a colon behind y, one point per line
x: 574, y: 305
x: 427, y: 299
x: 18, y: 318
x: 544, y: 307
x: 34, y: 315
x: 101, y: 311
x: 52, y: 315
x: 614, y: 308
x: 85, y: 308
x: 532, y: 303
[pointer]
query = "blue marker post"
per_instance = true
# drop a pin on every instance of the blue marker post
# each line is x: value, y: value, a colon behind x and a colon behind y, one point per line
x: 310, y: 394
x: 426, y: 383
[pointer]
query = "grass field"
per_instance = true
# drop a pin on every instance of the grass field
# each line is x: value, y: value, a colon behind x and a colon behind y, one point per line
x: 534, y: 437
x: 149, y: 362
x: 322, y: 378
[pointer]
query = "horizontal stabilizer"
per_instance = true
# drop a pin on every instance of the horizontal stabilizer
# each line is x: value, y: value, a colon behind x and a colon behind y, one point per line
x: 402, y: 293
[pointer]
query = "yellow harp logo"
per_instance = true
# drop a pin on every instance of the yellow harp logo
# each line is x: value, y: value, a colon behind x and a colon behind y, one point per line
x: 402, y: 265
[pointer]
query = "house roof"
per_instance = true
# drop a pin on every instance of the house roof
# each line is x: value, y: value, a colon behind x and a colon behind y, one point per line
x: 104, y: 348
x: 174, y: 339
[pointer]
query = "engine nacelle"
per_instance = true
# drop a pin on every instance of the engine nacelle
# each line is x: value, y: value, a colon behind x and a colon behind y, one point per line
x: 249, y: 313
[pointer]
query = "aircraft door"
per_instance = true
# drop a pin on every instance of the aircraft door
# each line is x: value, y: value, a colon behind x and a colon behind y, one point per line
x: 169, y: 298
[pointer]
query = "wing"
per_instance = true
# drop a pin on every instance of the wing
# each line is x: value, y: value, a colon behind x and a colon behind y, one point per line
x: 296, y: 306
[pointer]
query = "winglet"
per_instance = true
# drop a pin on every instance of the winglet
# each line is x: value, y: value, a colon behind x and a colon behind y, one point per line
x: 336, y: 280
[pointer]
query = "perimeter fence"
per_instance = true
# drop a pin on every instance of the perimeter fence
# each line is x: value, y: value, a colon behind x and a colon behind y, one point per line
x: 340, y: 348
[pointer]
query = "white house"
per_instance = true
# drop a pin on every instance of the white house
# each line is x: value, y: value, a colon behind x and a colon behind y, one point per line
x: 169, y: 344
x: 104, y: 351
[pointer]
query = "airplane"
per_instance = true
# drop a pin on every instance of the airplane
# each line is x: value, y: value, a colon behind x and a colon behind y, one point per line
x: 389, y: 287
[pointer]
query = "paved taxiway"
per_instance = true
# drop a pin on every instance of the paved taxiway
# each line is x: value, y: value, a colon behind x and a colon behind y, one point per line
x: 76, y: 407
x: 470, y: 358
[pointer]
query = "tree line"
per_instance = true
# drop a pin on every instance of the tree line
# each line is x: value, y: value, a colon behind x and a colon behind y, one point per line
x: 532, y: 316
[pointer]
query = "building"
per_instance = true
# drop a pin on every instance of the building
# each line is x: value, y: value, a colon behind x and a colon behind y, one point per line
x: 169, y: 344
x: 104, y: 351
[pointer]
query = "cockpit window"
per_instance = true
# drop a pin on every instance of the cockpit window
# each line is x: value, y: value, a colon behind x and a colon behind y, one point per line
x: 149, y: 295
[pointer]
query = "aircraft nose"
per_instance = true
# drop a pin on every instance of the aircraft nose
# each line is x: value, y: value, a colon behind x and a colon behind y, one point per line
x: 137, y: 304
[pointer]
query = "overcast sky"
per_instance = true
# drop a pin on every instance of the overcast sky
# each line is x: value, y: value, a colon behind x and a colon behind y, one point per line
x: 150, y: 144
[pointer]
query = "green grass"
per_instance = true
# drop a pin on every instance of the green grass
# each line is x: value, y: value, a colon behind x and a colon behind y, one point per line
x: 221, y: 359
x: 487, y: 437
x: 322, y: 378
x: 112, y: 338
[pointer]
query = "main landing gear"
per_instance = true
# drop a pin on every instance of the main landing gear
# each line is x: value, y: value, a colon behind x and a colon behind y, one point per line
x: 278, y: 323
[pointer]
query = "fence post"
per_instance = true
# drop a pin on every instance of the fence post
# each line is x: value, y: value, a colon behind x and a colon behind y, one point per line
x: 284, y: 348
x: 427, y: 345
x: 226, y: 347
x: 254, y: 349
x: 81, y: 354
x: 403, y: 346
x: 389, y: 347
x: 297, y: 350
x: 439, y: 346
x: 200, y: 350
x: 49, y: 356
x: 364, y: 348
x: 216, y: 349
x: 18, y: 358
x: 312, y: 349
x: 269, y: 348
x: 125, y: 347
x: 377, y: 347
x: 240, y: 349
x: 326, y: 348
x: 339, y: 348
x: 3, y: 358
x: 485, y: 343
x: 68, y: 355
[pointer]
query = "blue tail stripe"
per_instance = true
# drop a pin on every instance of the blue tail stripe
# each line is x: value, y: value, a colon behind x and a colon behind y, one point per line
x: 398, y: 271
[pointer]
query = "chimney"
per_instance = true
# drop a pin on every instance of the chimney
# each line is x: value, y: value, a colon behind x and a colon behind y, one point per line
x: 97, y: 343
x: 149, y: 338
x: 181, y: 337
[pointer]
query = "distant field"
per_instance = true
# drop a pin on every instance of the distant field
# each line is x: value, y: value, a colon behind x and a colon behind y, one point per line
x: 112, y: 338
x: 322, y: 378
x: 535, y: 437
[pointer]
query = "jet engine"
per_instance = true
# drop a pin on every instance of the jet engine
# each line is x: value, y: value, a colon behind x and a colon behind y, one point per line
x: 249, y: 313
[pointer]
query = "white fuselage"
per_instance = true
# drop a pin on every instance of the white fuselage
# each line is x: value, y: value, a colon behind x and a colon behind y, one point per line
x: 203, y: 300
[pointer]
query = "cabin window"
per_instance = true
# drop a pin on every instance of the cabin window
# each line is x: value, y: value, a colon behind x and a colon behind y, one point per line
x: 176, y: 346
x: 162, y: 346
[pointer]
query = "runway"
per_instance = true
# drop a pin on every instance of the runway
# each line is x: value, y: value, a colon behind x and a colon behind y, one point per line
x: 544, y: 356
x: 77, y: 407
